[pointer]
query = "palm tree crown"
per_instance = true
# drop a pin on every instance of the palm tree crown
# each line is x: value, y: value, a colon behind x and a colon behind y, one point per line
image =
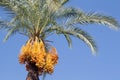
x: 41, y: 18
x: 38, y: 19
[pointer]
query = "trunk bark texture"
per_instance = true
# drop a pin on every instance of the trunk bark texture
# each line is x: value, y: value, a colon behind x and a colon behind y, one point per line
x: 32, y: 72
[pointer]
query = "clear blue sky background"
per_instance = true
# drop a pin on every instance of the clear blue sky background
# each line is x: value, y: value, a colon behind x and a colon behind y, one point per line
x: 76, y: 63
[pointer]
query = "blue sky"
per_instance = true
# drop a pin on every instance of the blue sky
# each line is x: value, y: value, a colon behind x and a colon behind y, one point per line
x: 76, y: 63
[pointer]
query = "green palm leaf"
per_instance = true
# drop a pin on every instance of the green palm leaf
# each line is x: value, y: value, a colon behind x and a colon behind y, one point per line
x: 76, y: 32
x: 94, y: 18
x: 68, y: 40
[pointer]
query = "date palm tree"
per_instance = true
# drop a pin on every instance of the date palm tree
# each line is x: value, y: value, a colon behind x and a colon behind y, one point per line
x: 38, y: 19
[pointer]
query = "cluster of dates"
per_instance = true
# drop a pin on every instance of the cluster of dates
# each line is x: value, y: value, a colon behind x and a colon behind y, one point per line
x: 34, y: 52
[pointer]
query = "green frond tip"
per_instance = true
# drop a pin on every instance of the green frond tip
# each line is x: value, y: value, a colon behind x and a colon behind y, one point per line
x: 85, y: 37
x: 104, y: 20
x: 64, y: 1
x: 68, y: 40
x: 7, y: 36
x: 10, y: 32
x: 95, y: 18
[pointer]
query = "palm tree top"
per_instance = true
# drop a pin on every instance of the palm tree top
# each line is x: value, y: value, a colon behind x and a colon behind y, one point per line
x: 42, y: 18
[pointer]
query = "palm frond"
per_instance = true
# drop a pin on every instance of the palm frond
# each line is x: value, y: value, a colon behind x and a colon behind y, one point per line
x: 68, y: 12
x: 4, y: 2
x: 94, y: 18
x: 64, y: 2
x: 8, y: 5
x: 79, y: 17
x: 68, y: 40
x: 54, y: 5
x: 10, y: 32
x: 2, y: 24
x: 76, y: 32
x: 16, y: 25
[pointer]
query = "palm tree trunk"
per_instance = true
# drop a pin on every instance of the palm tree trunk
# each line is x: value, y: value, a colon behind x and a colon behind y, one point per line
x: 32, y: 72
